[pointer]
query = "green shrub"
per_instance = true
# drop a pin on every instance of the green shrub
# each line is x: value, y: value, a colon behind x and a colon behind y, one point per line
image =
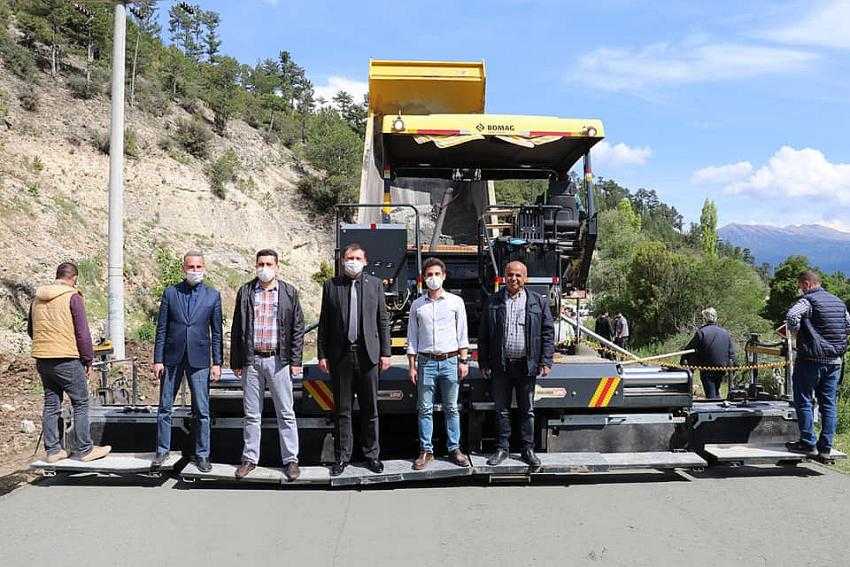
x: 323, y: 193
x: 32, y: 189
x: 326, y: 272
x: 169, y: 270
x: 131, y: 144
x: 30, y: 100
x: 81, y: 88
x: 89, y: 270
x: 19, y: 60
x: 37, y: 166
x: 165, y: 143
x: 152, y: 100
x: 146, y: 332
x: 194, y: 136
x: 222, y: 171
x: 843, y: 408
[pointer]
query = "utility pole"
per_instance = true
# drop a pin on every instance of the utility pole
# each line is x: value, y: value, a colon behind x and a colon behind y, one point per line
x: 115, y: 262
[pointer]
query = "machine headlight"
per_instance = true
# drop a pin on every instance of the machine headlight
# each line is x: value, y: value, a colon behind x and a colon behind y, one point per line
x: 398, y: 124
x: 591, y: 132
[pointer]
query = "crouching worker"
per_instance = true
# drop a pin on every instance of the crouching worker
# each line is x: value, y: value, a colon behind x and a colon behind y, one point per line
x: 516, y: 343
x: 188, y: 332
x: 266, y: 346
x: 62, y: 348
x: 437, y: 345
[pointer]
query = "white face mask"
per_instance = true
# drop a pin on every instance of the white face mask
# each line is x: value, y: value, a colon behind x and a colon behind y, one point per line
x: 265, y: 274
x: 194, y: 278
x: 434, y: 282
x: 352, y: 268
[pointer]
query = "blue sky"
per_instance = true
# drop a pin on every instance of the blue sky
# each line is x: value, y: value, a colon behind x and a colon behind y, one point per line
x: 746, y: 103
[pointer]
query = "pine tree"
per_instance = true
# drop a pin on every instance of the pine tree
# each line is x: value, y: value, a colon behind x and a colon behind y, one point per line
x: 145, y: 17
x: 212, y: 41
x: 708, y: 228
x: 185, y: 28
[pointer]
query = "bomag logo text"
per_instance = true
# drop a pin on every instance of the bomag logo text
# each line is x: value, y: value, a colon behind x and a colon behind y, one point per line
x: 500, y: 127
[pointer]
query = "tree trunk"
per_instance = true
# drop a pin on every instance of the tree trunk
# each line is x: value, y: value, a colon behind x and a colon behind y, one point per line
x: 53, y: 55
x: 271, y: 125
x: 89, y: 61
x: 133, y: 73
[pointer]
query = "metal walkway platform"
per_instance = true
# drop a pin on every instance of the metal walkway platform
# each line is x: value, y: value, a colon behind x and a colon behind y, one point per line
x: 758, y: 454
x: 582, y: 463
x: 400, y: 471
x: 113, y: 463
x: 261, y: 475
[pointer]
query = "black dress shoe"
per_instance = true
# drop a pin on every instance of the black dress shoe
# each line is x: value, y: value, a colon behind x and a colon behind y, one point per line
x: 802, y: 448
x: 337, y: 468
x: 530, y: 458
x: 375, y: 465
x: 497, y: 457
x: 158, y: 461
x: 203, y: 464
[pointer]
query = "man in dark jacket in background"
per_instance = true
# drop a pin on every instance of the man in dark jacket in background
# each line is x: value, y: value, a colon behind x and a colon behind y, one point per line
x: 713, y: 346
x: 516, y: 343
x: 822, y: 325
x: 604, y: 327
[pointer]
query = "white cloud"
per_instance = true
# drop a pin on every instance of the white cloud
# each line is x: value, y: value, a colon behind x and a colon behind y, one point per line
x: 695, y: 61
x: 335, y: 83
x: 827, y: 26
x: 620, y: 154
x: 789, y: 173
x: 722, y: 174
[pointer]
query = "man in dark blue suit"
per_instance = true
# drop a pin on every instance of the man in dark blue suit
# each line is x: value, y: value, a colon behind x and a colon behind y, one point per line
x: 188, y: 331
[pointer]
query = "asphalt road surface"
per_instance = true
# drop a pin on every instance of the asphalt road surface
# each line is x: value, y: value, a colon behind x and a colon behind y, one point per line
x: 741, y: 516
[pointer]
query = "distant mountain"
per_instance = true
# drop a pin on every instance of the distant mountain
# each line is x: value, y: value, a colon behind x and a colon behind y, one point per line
x: 825, y: 247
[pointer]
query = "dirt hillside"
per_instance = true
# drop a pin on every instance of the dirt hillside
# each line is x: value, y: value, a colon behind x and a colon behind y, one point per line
x: 53, y: 207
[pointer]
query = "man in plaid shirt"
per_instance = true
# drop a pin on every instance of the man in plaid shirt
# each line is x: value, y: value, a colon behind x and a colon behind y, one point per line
x: 267, y: 341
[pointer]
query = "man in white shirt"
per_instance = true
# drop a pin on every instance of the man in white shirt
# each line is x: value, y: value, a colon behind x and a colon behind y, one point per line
x: 437, y: 345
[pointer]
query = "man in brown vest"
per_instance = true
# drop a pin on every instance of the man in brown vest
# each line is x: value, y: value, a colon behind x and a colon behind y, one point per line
x: 62, y: 347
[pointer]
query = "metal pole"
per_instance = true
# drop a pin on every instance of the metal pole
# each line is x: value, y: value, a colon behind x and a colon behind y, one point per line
x: 115, y: 269
x: 602, y: 340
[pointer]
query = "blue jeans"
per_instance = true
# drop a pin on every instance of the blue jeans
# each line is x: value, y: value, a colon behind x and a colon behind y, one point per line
x: 430, y: 374
x: 199, y: 386
x: 815, y: 379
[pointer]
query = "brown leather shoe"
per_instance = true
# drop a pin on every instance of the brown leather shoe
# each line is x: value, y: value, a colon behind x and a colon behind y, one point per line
x: 291, y: 471
x: 423, y: 461
x: 57, y: 456
x: 245, y: 468
x: 97, y: 452
x: 458, y: 458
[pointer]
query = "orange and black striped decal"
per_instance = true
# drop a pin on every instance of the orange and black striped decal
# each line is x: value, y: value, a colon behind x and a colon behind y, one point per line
x: 604, y: 392
x: 321, y: 392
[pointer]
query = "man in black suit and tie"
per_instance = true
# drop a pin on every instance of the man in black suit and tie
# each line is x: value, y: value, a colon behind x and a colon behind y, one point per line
x: 353, y: 340
x: 188, y: 331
